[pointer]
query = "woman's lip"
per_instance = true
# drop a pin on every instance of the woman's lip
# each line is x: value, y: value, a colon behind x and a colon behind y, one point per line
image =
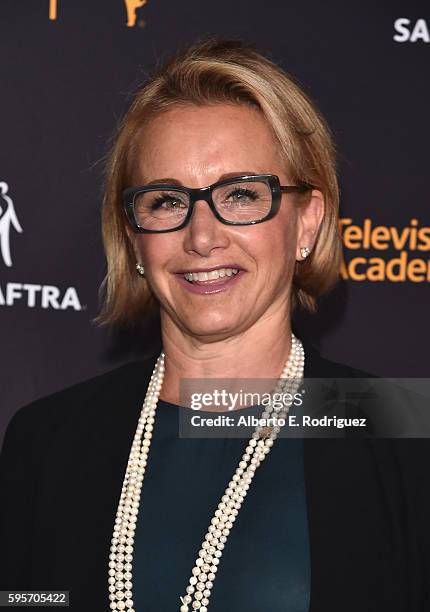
x: 220, y: 267
x: 214, y: 286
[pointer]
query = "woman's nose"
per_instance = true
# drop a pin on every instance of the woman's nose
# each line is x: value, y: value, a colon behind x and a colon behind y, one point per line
x: 204, y: 231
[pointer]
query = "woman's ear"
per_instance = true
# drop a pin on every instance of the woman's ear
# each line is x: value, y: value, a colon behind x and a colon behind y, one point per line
x: 309, y: 217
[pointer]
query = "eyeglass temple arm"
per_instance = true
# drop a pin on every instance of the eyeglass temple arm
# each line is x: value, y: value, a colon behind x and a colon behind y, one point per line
x: 300, y: 188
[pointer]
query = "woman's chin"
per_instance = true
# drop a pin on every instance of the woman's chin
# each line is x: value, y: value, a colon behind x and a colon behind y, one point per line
x: 212, y: 325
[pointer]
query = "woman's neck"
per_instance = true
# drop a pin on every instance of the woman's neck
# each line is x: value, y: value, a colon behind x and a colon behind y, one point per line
x: 258, y: 352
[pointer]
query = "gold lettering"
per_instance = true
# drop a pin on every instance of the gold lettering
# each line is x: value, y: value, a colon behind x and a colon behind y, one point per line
x: 413, y: 235
x: 367, y: 226
x: 132, y: 6
x: 399, y: 238
x: 417, y: 267
x: 424, y: 236
x: 354, y: 232
x: 53, y: 10
x: 353, y: 268
x: 399, y: 262
x: 380, y: 234
x: 376, y: 270
x: 345, y: 221
x: 343, y: 270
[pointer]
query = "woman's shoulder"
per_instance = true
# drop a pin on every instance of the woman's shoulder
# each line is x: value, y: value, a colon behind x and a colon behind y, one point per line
x: 134, y: 375
x: 318, y: 366
x: 94, y: 393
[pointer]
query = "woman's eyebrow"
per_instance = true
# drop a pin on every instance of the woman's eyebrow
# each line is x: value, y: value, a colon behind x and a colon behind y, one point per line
x: 169, y: 180
x: 238, y: 173
x: 172, y: 181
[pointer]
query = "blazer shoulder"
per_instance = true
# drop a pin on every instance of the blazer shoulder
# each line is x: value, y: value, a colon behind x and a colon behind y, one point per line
x: 54, y: 407
x: 317, y: 366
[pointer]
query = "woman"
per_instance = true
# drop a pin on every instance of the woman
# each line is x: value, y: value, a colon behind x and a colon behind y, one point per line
x: 228, y: 222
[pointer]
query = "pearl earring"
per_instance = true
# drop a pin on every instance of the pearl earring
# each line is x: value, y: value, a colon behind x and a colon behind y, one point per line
x: 140, y: 269
x: 304, y: 251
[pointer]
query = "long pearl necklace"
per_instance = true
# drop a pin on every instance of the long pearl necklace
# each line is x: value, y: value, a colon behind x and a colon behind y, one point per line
x: 203, y: 574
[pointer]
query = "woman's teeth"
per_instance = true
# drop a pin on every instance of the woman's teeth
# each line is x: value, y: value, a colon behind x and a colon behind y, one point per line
x: 212, y: 275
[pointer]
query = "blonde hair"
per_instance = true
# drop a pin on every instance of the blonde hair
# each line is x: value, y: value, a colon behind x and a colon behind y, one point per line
x: 208, y: 72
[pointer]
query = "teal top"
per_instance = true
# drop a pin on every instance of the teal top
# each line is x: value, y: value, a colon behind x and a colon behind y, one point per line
x: 265, y: 564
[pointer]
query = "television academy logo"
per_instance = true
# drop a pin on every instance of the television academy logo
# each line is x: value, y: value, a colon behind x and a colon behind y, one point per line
x: 131, y: 7
x: 43, y: 296
x: 385, y: 253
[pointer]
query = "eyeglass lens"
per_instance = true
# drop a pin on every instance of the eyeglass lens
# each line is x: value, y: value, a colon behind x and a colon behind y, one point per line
x: 241, y: 202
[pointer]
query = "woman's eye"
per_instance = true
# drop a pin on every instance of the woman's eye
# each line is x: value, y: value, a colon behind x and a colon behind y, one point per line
x: 167, y: 202
x: 241, y: 195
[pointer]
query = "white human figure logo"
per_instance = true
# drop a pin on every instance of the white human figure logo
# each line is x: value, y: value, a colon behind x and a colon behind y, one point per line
x: 8, y: 219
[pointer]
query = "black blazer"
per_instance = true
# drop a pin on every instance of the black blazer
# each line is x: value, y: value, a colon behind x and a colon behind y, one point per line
x: 61, y: 472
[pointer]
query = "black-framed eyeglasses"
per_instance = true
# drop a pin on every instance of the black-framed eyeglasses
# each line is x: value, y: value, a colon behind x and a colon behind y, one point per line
x: 241, y: 200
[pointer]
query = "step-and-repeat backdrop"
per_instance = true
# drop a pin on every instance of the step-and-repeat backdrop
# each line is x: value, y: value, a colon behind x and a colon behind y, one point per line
x: 68, y: 69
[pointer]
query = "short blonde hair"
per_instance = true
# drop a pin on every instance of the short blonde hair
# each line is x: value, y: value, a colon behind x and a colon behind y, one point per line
x: 221, y: 71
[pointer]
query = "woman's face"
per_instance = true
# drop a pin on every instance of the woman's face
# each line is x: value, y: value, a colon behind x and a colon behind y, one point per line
x: 198, y: 146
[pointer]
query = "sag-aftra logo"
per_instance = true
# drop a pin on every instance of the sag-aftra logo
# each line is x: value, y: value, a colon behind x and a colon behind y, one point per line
x: 131, y: 7
x: 411, y: 30
x: 8, y: 222
x: 32, y: 295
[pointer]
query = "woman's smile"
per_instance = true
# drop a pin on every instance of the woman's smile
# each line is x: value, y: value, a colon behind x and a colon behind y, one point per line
x: 208, y: 282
